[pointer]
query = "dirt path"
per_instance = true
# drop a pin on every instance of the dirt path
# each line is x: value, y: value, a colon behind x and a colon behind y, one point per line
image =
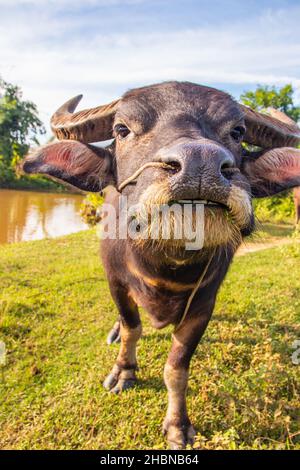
x: 252, y: 247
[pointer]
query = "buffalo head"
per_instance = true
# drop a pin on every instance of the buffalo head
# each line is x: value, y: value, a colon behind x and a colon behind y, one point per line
x: 198, y: 132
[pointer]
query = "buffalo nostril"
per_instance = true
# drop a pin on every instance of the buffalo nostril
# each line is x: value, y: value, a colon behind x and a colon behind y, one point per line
x: 173, y: 167
x: 226, y: 167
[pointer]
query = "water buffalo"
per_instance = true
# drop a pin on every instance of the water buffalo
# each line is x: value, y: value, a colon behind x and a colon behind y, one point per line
x: 187, y: 140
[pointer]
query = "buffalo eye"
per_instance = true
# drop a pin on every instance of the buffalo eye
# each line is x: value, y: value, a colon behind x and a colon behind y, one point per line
x: 121, y: 131
x: 238, y: 133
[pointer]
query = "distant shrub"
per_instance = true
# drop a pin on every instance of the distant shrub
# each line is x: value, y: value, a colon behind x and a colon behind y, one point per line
x: 89, y: 209
x: 279, y: 208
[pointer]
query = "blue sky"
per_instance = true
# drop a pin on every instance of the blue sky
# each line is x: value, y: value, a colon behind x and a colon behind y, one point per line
x: 56, y: 49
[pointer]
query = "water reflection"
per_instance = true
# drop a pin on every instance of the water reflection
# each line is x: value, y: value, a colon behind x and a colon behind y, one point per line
x: 28, y: 215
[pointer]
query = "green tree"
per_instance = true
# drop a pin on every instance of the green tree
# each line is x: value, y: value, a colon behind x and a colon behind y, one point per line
x: 20, y: 127
x: 281, y: 207
x: 271, y: 97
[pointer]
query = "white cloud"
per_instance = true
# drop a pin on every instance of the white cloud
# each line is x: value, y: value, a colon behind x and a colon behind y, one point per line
x: 52, y: 63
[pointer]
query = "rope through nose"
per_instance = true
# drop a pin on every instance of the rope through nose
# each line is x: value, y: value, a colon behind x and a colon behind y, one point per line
x: 140, y: 170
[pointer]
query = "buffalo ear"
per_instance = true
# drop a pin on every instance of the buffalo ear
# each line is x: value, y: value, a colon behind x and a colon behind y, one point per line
x: 84, y: 166
x: 272, y: 171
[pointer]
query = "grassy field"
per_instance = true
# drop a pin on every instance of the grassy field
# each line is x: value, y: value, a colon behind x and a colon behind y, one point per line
x: 270, y: 232
x: 55, y: 312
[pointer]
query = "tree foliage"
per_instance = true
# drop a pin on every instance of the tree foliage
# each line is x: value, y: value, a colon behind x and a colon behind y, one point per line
x: 20, y: 127
x: 265, y: 97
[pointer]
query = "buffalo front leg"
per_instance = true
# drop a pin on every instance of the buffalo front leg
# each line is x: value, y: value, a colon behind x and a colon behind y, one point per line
x: 123, y: 374
x: 177, y: 425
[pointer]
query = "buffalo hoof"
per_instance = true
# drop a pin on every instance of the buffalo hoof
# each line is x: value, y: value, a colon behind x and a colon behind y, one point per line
x: 120, y: 379
x: 179, y: 437
x: 114, y: 335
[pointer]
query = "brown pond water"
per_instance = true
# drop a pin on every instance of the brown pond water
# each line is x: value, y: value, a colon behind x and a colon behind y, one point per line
x: 29, y: 215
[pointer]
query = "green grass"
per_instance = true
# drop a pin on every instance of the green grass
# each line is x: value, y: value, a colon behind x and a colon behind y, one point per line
x: 268, y: 231
x: 55, y: 312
